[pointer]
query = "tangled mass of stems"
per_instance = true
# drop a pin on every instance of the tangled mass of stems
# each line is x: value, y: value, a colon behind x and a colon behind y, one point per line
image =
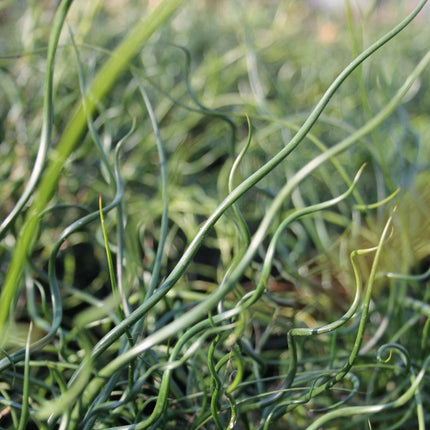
x: 258, y: 334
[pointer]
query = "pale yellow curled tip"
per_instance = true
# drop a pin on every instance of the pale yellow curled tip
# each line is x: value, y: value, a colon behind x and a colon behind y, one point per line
x: 382, y: 202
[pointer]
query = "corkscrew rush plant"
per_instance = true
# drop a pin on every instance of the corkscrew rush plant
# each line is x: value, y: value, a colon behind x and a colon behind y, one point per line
x: 200, y: 310
x: 151, y: 342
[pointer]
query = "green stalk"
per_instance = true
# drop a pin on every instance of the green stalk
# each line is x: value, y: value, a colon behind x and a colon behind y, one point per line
x: 48, y: 113
x: 76, y: 127
x: 25, y: 394
x: 109, y: 260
